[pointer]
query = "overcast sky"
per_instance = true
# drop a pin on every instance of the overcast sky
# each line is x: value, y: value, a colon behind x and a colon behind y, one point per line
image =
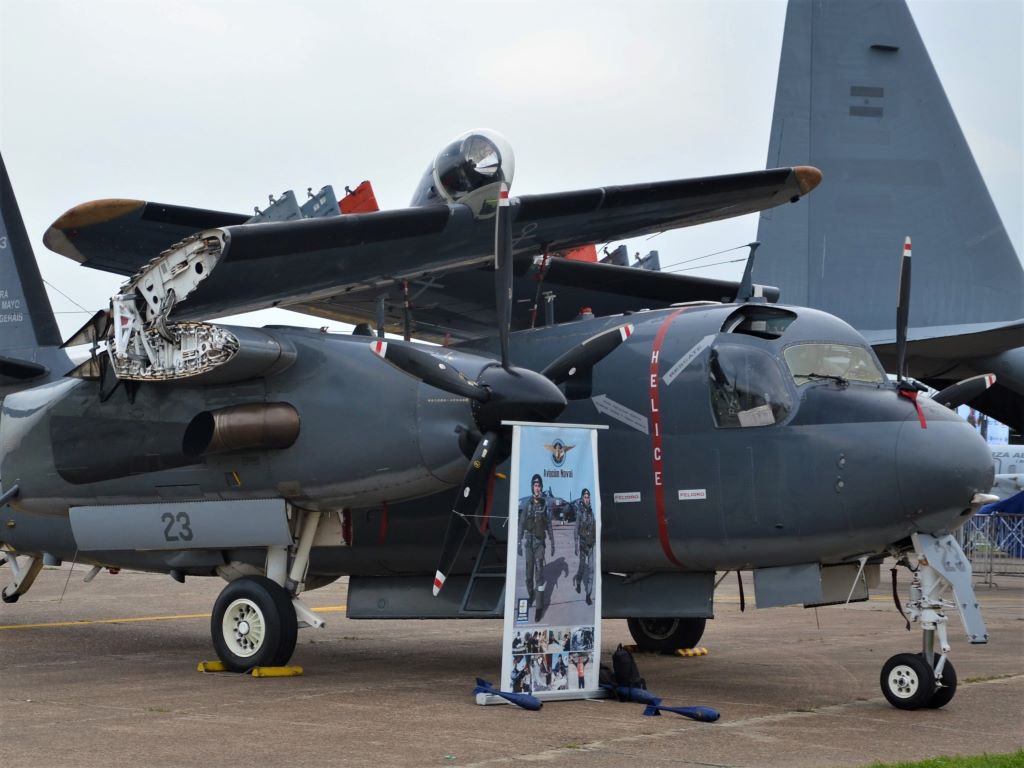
x: 218, y: 104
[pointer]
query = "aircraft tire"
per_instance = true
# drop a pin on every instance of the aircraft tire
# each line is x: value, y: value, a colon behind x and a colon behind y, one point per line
x: 907, y: 681
x: 665, y: 635
x: 253, y: 624
x: 945, y: 694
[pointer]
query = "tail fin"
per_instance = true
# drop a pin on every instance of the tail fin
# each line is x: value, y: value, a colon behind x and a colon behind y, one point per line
x: 29, y: 336
x: 858, y: 97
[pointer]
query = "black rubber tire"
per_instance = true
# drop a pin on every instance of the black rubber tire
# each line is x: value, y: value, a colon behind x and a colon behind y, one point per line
x: 267, y: 605
x: 289, y: 626
x: 945, y: 694
x: 667, y: 634
x: 907, y: 681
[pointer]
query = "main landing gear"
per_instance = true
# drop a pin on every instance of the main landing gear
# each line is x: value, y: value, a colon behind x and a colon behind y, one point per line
x: 25, y: 568
x: 928, y: 679
x: 664, y: 635
x: 256, y: 618
x: 254, y: 624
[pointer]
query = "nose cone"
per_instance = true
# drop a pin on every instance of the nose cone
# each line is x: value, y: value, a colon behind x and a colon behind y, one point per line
x: 941, y: 468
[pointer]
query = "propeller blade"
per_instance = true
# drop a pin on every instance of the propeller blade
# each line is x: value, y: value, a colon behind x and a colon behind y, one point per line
x: 503, y: 270
x: 473, y: 486
x: 428, y: 369
x: 587, y: 354
x: 964, y: 391
x: 903, y: 313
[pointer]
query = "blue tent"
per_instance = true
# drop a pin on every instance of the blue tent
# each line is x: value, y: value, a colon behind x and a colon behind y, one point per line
x: 1005, y: 526
x: 1011, y: 506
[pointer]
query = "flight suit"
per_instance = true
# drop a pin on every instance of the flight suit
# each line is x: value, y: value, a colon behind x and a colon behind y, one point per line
x: 534, y: 525
x: 586, y: 538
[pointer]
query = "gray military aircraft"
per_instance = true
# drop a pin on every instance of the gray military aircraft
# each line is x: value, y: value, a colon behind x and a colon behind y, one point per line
x: 882, y: 130
x: 742, y: 434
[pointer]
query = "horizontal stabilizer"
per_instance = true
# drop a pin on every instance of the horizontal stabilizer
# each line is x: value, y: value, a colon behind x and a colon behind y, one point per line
x: 949, y: 342
x: 942, y: 355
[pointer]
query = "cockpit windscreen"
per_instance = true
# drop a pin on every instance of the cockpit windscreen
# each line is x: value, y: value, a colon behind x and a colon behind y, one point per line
x: 842, y: 362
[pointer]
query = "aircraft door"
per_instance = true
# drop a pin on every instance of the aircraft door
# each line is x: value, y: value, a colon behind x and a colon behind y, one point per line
x: 749, y: 395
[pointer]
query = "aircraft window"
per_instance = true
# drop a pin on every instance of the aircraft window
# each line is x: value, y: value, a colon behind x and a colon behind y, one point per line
x: 758, y: 320
x: 747, y: 387
x: 839, y: 362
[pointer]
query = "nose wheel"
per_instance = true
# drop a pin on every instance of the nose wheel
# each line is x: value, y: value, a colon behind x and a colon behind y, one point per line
x: 907, y: 681
x: 928, y: 679
x: 254, y: 624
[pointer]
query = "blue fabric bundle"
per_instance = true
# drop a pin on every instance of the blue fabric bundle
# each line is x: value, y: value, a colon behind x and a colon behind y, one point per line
x: 524, y: 700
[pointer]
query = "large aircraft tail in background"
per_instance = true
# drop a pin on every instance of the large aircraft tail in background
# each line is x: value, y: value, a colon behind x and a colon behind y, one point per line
x: 858, y: 97
x: 30, y: 352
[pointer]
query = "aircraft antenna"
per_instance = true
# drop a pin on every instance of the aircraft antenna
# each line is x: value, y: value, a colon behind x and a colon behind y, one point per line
x: 503, y: 264
x: 746, y: 289
x: 903, y: 313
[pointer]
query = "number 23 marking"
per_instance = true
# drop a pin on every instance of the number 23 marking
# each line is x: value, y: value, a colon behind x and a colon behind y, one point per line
x: 184, y: 526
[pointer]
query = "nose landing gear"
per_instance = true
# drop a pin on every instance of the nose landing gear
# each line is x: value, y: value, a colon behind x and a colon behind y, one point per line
x: 928, y: 679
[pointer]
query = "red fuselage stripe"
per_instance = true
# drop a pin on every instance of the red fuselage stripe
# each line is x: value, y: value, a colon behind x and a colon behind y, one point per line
x: 383, y: 533
x: 656, y: 452
x: 488, y: 503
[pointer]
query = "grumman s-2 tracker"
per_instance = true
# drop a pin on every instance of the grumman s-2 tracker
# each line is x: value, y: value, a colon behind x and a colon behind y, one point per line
x: 742, y: 434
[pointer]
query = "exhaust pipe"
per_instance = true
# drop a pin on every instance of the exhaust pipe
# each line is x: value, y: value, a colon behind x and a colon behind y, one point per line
x: 242, y: 427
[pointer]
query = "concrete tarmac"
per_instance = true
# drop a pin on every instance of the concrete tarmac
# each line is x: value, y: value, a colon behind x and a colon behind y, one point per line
x: 105, y: 673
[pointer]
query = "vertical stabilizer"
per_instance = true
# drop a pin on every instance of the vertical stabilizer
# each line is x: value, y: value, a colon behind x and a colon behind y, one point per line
x: 858, y: 97
x: 29, y: 336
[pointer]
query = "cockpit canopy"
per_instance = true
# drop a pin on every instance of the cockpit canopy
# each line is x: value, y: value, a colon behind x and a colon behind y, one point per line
x: 748, y: 388
x: 470, y: 163
x: 763, y: 350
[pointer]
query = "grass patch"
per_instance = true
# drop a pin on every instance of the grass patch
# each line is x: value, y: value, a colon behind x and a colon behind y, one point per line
x: 987, y: 678
x: 1011, y: 760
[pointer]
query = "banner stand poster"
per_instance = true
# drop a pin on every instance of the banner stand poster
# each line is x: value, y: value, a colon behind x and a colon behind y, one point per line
x: 552, y: 640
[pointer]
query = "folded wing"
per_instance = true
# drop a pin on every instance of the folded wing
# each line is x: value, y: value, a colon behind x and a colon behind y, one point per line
x: 309, y: 262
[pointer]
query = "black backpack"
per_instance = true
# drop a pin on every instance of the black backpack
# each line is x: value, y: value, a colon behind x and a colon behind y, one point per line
x: 624, y: 668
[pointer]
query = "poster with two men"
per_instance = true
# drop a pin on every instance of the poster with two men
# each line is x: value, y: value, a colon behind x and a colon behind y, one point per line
x: 552, y: 636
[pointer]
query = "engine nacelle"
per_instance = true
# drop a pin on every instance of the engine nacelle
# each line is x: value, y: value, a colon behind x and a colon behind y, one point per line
x: 203, y: 353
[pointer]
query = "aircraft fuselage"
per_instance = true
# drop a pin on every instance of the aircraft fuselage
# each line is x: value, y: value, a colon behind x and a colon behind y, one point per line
x: 705, y: 465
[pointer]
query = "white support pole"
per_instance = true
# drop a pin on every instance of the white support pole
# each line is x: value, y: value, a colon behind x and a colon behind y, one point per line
x: 300, y: 564
x: 277, y: 564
